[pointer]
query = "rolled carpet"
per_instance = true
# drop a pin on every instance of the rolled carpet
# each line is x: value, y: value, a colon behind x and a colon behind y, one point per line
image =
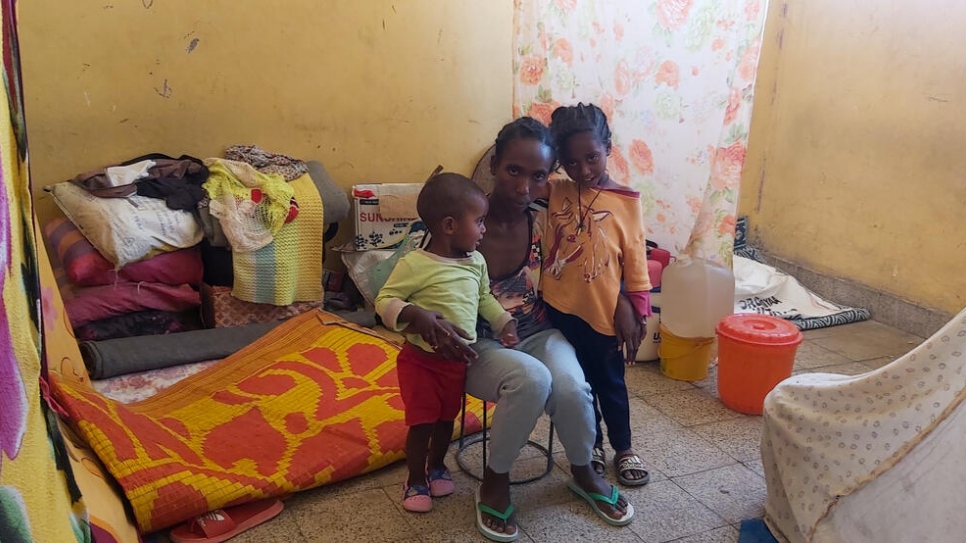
x: 121, y: 356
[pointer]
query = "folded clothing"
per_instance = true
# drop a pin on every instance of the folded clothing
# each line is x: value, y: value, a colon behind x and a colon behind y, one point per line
x: 84, y: 305
x: 266, y: 162
x: 142, y: 323
x: 129, y: 355
x: 177, y: 180
x: 86, y: 267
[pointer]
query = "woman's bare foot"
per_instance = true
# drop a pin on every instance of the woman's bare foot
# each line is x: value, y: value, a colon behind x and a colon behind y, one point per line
x: 495, y: 493
x: 590, y: 481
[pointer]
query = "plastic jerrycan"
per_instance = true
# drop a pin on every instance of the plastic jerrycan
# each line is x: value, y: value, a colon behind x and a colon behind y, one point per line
x: 695, y: 295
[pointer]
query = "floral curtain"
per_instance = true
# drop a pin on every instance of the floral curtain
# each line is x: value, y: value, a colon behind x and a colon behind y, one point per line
x: 676, y: 80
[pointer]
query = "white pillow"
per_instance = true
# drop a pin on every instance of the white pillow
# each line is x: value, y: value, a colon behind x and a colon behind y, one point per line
x: 126, y: 230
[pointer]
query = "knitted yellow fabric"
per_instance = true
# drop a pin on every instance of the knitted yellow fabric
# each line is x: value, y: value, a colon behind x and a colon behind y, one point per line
x: 229, y: 186
x: 290, y: 268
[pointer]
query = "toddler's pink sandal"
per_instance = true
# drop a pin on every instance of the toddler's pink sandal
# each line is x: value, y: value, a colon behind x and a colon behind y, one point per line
x: 417, y: 499
x: 440, y: 482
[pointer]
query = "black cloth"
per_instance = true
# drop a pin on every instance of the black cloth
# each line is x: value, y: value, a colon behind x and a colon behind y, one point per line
x: 175, y: 180
x: 140, y: 323
x: 176, y: 193
x: 217, y: 262
x: 135, y: 354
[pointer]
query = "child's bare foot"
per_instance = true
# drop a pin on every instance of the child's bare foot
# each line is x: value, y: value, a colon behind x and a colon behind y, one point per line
x: 599, y: 460
x: 630, y: 468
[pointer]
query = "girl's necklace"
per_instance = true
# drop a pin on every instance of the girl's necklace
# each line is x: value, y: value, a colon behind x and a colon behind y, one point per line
x: 582, y: 213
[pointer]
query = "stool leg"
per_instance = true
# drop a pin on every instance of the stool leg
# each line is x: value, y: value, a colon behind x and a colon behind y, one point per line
x: 485, y: 432
x: 463, y: 422
x: 465, y: 442
x: 550, y: 450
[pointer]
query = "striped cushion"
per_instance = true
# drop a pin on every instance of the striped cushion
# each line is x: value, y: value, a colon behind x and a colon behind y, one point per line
x: 85, y: 266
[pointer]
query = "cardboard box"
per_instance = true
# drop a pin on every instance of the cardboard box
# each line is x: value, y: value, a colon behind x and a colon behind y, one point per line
x: 372, y: 230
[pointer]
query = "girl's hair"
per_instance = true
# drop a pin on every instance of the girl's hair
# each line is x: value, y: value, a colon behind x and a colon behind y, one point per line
x: 569, y: 120
x: 524, y: 128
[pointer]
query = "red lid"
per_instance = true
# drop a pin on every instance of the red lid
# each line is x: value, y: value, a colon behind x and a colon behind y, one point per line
x: 755, y: 328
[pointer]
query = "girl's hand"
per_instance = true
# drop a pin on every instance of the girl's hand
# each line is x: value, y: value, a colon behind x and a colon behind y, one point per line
x: 442, y: 335
x: 508, y: 336
x: 628, y: 328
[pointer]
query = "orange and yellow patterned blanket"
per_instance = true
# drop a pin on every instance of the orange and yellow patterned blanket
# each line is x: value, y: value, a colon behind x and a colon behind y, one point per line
x: 313, y: 402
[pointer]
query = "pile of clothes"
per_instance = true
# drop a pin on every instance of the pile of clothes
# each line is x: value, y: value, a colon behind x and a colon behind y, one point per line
x: 130, y: 255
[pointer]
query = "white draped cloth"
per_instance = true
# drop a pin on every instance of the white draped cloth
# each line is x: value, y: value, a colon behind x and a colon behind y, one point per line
x: 874, y: 457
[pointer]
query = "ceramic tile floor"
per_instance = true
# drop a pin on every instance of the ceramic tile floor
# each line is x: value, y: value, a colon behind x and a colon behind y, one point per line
x: 706, y: 473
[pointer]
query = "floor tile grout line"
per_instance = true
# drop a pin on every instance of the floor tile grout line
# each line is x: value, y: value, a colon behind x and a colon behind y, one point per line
x: 705, y: 470
x: 702, y: 504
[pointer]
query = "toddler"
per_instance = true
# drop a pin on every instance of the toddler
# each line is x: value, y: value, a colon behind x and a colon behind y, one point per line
x: 445, y: 280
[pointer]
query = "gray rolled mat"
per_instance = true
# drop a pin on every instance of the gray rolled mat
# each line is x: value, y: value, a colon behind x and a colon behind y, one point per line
x: 113, y: 357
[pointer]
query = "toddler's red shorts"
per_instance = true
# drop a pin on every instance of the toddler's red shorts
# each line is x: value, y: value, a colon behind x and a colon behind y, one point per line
x: 431, y: 386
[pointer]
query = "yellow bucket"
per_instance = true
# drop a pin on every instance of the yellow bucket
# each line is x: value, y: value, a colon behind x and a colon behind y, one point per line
x: 684, y: 358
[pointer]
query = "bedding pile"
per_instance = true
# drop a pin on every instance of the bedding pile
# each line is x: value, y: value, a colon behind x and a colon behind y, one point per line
x: 130, y: 257
x: 155, y: 295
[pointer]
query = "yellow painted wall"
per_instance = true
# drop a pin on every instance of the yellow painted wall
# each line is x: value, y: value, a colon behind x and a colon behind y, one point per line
x: 857, y: 155
x: 377, y: 90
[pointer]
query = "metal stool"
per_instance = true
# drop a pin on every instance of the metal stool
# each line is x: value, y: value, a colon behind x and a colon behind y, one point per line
x: 483, y: 437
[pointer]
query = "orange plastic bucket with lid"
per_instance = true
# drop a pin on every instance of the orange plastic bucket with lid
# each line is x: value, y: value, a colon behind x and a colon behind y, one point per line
x: 755, y: 353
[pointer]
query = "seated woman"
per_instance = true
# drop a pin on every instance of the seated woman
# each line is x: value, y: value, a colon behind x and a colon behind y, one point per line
x: 541, y: 373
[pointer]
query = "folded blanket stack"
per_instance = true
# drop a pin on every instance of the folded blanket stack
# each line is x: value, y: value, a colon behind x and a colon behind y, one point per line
x: 152, y: 296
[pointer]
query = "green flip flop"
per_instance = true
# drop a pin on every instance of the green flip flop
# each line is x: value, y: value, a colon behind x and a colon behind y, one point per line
x: 592, y: 498
x: 488, y: 532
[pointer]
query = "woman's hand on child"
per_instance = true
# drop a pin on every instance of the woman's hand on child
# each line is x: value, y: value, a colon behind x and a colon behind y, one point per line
x: 628, y: 328
x: 450, y: 346
x: 508, y: 336
x: 442, y: 335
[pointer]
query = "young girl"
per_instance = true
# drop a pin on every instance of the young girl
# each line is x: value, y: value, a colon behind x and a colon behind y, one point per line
x: 594, y: 244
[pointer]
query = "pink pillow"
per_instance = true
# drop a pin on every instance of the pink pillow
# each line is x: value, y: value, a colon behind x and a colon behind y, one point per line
x: 88, y: 268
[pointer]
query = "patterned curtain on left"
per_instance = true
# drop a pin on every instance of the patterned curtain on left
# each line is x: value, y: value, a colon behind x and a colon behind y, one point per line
x: 38, y: 499
x: 676, y: 80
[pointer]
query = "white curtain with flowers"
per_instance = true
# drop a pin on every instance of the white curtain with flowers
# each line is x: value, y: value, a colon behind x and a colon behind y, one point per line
x: 676, y: 80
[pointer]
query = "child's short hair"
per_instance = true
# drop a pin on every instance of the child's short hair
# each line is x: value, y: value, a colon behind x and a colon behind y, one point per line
x: 446, y: 195
x: 565, y: 121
